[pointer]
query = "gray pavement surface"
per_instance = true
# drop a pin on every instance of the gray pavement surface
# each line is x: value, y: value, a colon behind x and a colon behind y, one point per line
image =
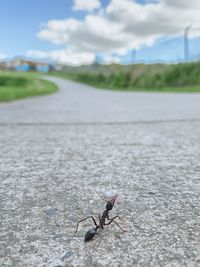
x: 77, y: 103
x: 57, y: 150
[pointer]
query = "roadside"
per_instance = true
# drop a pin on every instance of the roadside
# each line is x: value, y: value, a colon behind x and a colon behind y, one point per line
x: 18, y: 85
x: 182, y: 77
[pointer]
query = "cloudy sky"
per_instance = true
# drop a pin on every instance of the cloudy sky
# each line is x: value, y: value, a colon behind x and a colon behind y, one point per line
x: 81, y: 31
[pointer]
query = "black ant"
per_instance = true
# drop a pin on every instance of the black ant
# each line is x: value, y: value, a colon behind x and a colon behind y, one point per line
x: 101, y: 220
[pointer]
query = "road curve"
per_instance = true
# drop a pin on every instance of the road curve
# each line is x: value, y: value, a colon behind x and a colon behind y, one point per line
x: 77, y: 103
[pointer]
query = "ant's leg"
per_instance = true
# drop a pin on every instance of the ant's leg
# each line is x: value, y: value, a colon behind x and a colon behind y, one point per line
x: 102, y: 198
x: 113, y: 220
x: 117, y: 216
x: 120, y: 226
x: 101, y: 228
x: 100, y: 223
x: 82, y: 221
x: 99, y: 241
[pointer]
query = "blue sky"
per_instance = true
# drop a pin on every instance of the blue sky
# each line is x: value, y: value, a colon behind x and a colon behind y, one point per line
x: 25, y: 30
x: 20, y: 21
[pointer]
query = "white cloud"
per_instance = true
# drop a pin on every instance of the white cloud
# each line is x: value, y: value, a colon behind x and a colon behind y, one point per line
x: 65, y: 56
x: 87, y: 5
x: 2, y: 56
x: 154, y: 19
x: 111, y: 59
x: 123, y: 25
x: 37, y: 54
x: 98, y: 33
x: 57, y: 31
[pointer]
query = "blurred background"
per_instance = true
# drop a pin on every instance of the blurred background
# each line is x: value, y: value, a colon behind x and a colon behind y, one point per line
x: 129, y: 44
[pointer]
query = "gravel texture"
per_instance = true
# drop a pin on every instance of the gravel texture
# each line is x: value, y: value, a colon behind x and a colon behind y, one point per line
x: 49, y: 171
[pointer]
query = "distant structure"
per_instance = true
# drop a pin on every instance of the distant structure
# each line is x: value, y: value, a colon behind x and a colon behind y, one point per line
x: 133, y: 55
x: 186, y: 43
x: 2, y: 65
x: 20, y: 64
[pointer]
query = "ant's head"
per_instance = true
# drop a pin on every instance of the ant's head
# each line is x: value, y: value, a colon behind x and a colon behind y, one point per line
x: 111, y: 202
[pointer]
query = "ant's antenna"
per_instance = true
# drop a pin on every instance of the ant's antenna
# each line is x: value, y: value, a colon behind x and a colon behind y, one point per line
x: 102, y: 198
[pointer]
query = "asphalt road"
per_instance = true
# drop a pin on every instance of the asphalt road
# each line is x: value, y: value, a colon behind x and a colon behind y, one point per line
x: 57, y: 150
x: 77, y: 103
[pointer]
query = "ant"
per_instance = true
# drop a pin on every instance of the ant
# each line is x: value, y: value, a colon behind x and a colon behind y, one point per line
x: 101, y: 219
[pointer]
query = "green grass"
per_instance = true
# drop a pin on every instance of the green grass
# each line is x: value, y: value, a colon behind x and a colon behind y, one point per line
x: 183, y: 77
x: 17, y: 85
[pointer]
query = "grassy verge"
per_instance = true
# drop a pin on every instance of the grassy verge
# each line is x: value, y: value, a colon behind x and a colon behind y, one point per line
x: 15, y: 85
x: 157, y: 78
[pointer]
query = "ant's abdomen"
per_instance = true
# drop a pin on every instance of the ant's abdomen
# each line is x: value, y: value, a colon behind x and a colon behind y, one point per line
x: 90, y: 234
